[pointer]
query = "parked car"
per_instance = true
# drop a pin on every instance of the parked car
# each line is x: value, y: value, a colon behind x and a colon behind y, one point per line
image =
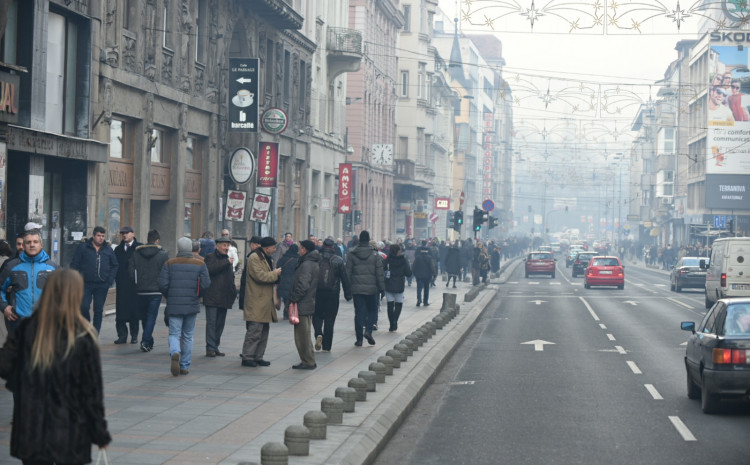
x: 728, y: 271
x: 687, y: 272
x: 581, y: 262
x: 540, y: 263
x: 716, y: 359
x: 604, y: 271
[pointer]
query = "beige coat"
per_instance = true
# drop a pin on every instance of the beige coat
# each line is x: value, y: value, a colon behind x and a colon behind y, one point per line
x: 259, y: 290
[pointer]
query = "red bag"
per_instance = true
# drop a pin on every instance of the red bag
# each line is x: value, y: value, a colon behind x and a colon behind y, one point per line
x: 293, y: 313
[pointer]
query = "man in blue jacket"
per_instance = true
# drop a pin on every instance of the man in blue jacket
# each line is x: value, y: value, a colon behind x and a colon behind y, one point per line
x: 96, y: 261
x: 23, y: 279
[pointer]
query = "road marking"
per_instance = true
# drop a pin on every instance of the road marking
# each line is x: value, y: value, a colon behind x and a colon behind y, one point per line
x: 621, y: 350
x: 534, y: 282
x: 682, y: 429
x: 538, y: 344
x: 538, y: 302
x: 461, y: 383
x: 591, y: 310
x: 654, y: 393
x: 611, y: 337
x: 660, y: 285
x: 671, y: 299
x: 555, y: 283
x: 634, y: 368
x: 631, y: 302
x: 602, y: 325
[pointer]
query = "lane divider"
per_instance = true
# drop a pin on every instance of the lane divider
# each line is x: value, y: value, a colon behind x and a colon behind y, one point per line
x: 654, y: 393
x: 682, y: 429
x: 591, y: 310
x: 634, y: 368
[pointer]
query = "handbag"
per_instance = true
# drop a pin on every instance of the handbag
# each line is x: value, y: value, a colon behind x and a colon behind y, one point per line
x: 102, y: 458
x: 293, y: 313
x: 276, y: 299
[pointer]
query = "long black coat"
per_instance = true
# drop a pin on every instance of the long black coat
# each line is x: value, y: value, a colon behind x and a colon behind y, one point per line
x: 57, y: 415
x: 399, y: 269
x: 222, y: 291
x: 453, y: 260
x: 127, y: 298
x: 287, y: 263
x: 424, y: 264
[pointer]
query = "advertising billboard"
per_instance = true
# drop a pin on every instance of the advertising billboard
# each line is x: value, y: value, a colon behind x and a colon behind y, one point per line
x: 268, y: 163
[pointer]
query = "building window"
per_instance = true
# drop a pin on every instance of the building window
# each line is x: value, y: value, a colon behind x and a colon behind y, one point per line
x: 407, y: 18
x: 194, y: 155
x: 120, y: 214
x: 160, y: 147
x: 167, y: 26
x: 297, y: 174
x: 269, y: 66
x: 62, y: 74
x: 120, y: 139
x: 302, y: 84
x: 282, y: 170
x: 421, y: 80
x: 10, y: 39
x: 129, y: 14
x: 192, y: 219
x: 201, y: 16
x: 404, y: 83
x: 287, y: 74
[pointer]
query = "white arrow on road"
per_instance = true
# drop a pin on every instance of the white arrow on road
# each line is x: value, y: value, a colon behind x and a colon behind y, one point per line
x: 244, y: 80
x: 631, y: 302
x: 538, y: 344
x: 538, y: 302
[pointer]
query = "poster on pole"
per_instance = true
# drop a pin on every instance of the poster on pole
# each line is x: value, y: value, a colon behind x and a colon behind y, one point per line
x: 235, y: 206
x: 261, y: 208
x: 268, y: 163
x: 243, y: 95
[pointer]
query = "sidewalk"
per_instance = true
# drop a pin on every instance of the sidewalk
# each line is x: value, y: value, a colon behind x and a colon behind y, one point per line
x: 223, y: 413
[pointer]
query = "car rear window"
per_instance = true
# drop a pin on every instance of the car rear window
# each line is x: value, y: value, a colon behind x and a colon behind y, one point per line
x: 691, y: 262
x: 738, y: 320
x: 540, y: 256
x: 605, y: 262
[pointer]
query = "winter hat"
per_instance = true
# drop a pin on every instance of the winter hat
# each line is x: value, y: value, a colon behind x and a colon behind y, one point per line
x: 255, y: 240
x: 184, y: 244
x: 308, y: 245
x: 267, y: 241
x: 328, y: 243
x: 364, y: 237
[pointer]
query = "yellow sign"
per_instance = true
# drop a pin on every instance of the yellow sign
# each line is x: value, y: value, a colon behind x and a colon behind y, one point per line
x: 420, y: 215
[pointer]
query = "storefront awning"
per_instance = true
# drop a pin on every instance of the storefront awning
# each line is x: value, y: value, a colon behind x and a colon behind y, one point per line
x: 55, y: 145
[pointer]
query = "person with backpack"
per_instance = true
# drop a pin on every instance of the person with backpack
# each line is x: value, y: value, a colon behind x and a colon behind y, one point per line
x: 331, y: 278
x: 396, y: 270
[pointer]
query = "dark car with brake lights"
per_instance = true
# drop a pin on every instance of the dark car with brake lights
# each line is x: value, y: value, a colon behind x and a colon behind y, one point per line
x: 717, y: 358
x: 687, y: 272
x: 540, y: 263
x: 604, y: 271
x: 581, y: 262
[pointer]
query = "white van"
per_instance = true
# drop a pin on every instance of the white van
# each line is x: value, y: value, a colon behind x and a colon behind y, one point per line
x: 728, y: 272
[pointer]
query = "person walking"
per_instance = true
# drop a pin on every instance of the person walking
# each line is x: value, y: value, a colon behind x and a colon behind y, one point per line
x: 424, y: 271
x: 144, y: 269
x: 397, y: 269
x: 331, y: 278
x: 259, y: 309
x: 302, y: 293
x: 220, y: 296
x: 365, y: 269
x: 182, y: 280
x: 23, y: 279
x: 96, y: 261
x: 453, y: 263
x: 287, y: 263
x: 51, y: 364
x: 126, y: 313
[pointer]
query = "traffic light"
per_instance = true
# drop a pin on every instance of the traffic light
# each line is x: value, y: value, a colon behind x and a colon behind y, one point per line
x: 357, y: 217
x: 479, y: 218
x: 492, y: 222
x: 450, y: 219
x: 458, y: 220
x: 347, y: 222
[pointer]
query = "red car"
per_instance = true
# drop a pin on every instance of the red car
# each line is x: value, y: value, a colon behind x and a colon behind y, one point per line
x: 540, y: 263
x: 604, y: 271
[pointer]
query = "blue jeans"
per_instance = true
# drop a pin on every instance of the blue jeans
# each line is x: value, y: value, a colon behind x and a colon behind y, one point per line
x: 97, y: 292
x: 365, y: 313
x: 149, y: 308
x: 423, y: 284
x: 181, y: 329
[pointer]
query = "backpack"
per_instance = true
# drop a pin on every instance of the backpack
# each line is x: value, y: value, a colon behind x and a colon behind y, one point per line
x: 326, y: 275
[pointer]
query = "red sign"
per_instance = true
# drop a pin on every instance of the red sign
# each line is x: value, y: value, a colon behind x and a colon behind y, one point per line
x: 434, y: 217
x: 345, y: 188
x: 268, y: 164
x: 442, y: 203
x: 261, y: 207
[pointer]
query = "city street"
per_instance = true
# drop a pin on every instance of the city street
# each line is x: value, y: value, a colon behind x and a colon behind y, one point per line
x: 553, y: 373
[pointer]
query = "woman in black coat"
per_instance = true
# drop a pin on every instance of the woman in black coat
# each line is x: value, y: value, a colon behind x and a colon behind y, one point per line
x: 287, y: 263
x: 397, y: 269
x: 453, y: 263
x: 51, y: 364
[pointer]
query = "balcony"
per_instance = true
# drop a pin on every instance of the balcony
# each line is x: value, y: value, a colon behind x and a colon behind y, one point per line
x: 344, y: 51
x: 278, y: 13
x: 407, y: 172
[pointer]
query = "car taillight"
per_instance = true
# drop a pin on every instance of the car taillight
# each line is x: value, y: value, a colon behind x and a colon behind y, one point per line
x: 723, y: 280
x: 620, y: 272
x: 730, y: 356
x: 684, y: 271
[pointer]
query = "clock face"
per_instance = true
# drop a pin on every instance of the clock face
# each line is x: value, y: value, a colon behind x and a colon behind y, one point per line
x: 382, y: 154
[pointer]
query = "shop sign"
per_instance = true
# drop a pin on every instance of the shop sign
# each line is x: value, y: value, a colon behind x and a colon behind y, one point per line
x: 268, y: 162
x: 54, y: 145
x: 243, y: 95
x: 9, y: 90
x: 345, y: 188
x: 261, y: 207
x: 442, y: 203
x: 241, y: 165
x: 235, y: 206
x: 274, y: 120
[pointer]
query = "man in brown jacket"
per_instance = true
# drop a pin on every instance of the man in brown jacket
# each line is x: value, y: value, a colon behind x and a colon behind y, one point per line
x: 259, y: 310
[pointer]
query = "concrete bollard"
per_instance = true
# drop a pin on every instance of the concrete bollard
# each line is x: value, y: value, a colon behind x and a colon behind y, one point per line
x: 449, y: 300
x: 360, y: 386
x: 388, y: 362
x: 274, y: 453
x: 333, y: 407
x: 397, y: 356
x: 415, y: 340
x: 404, y: 350
x: 316, y: 422
x: 432, y: 327
x: 458, y: 309
x: 349, y: 396
x: 409, y: 344
x: 439, y: 321
x: 423, y: 334
x: 297, y: 440
x: 370, y: 378
x: 379, y: 370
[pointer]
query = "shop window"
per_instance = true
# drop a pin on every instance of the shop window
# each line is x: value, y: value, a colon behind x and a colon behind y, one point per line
x: 192, y: 219
x: 120, y: 139
x: 194, y: 153
x: 160, y: 146
x: 282, y: 170
x: 297, y: 174
x: 120, y: 214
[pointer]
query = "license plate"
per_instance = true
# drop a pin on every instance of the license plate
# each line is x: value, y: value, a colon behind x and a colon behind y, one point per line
x: 605, y: 272
x: 741, y: 287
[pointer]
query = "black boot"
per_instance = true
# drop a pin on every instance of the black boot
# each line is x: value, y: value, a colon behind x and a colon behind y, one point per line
x: 391, y: 318
x: 396, y: 315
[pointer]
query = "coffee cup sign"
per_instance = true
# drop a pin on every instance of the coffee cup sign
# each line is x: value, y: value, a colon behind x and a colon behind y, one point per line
x: 244, y: 98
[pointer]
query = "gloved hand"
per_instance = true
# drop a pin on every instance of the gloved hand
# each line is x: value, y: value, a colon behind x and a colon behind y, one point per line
x: 382, y: 295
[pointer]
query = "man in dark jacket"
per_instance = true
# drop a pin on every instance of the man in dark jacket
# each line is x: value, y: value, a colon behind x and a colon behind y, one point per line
x: 220, y: 296
x: 127, y: 299
x: 365, y: 269
x: 453, y: 263
x: 182, y: 280
x: 302, y: 293
x: 96, y: 261
x: 425, y: 271
x: 144, y: 269
x: 327, y: 300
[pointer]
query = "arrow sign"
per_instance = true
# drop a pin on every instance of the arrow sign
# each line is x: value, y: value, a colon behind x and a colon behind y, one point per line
x: 631, y: 302
x: 538, y: 302
x: 538, y: 344
x: 243, y: 80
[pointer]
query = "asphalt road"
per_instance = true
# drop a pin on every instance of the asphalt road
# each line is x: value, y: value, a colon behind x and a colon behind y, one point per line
x: 553, y: 373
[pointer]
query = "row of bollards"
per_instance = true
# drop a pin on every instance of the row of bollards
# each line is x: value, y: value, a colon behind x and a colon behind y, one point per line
x: 297, y: 437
